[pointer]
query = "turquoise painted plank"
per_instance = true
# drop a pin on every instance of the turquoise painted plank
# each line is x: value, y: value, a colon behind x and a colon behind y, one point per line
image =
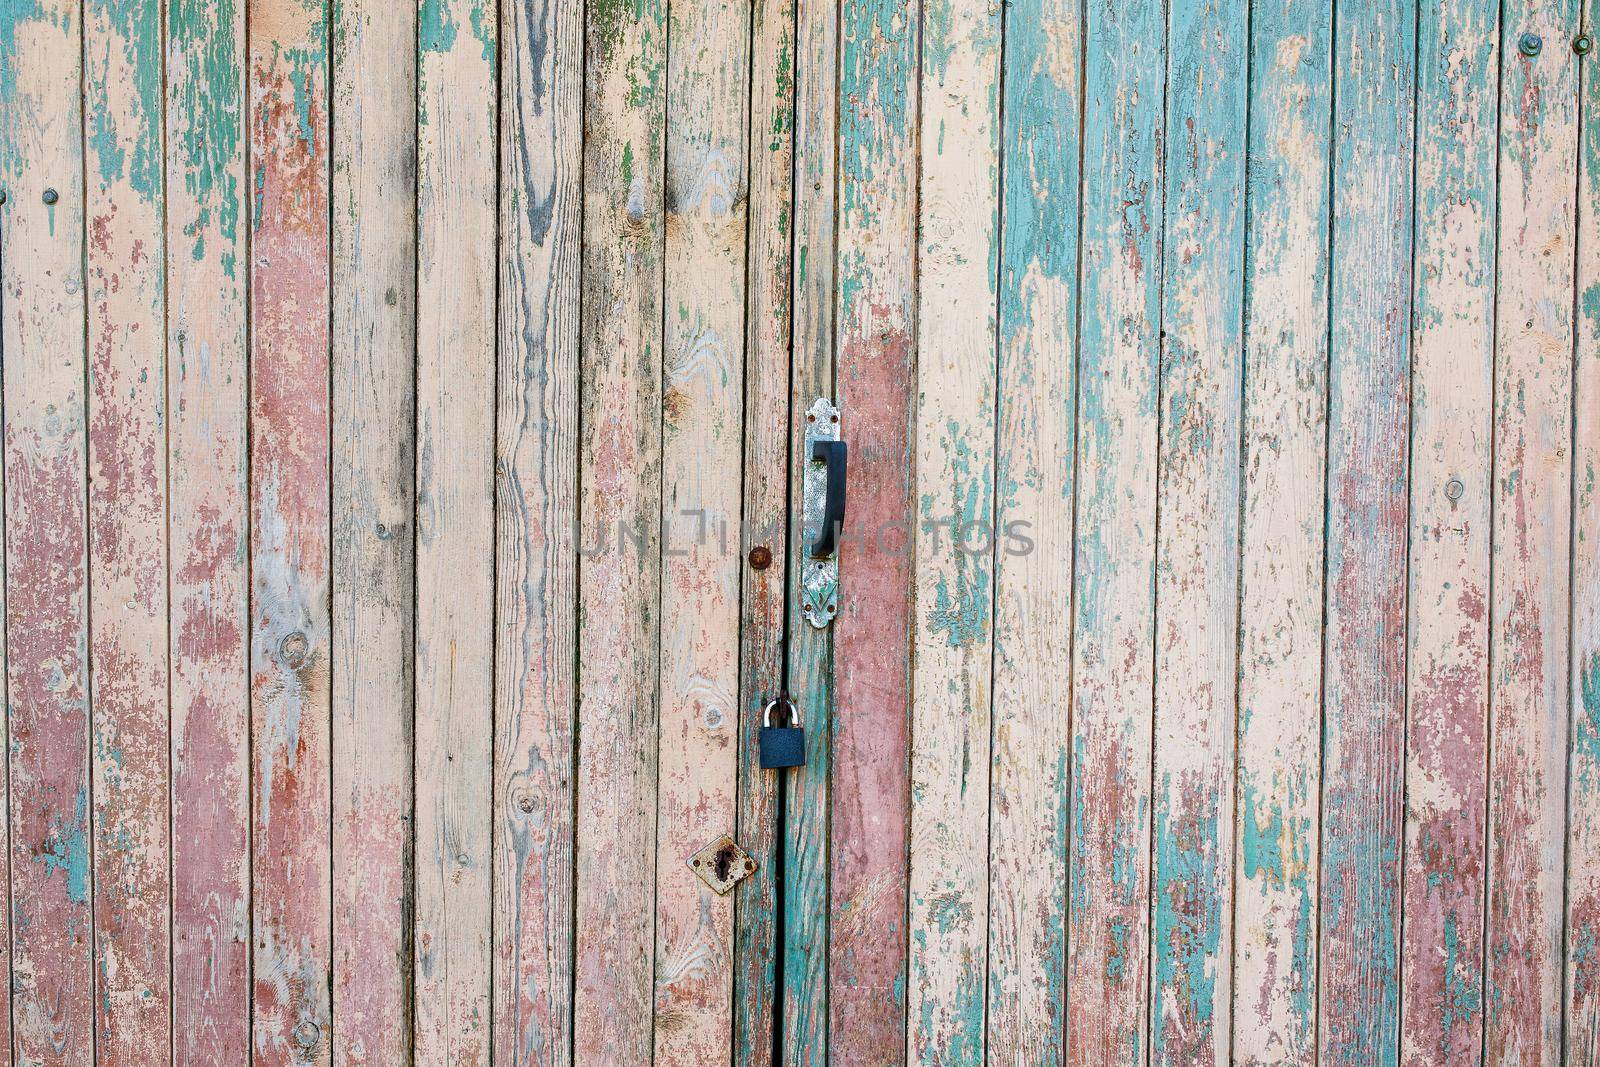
x: 1368, y: 398
x: 1114, y: 570
x: 1198, y: 537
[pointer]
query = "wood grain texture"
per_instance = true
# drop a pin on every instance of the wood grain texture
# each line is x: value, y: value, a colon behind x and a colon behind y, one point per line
x: 619, y: 576
x: 873, y: 274
x: 207, y: 501
x: 1529, y: 614
x: 1114, y: 576
x: 1034, y: 488
x: 1276, y: 877
x: 1358, y: 1003
x: 1197, y: 537
x: 374, y: 378
x: 457, y: 223
x: 124, y: 163
x: 701, y: 502
x: 808, y: 928
x: 1582, y: 962
x: 290, y: 532
x: 47, y: 595
x: 536, y: 498
x: 768, y: 331
x: 953, y: 605
x: 1452, y: 382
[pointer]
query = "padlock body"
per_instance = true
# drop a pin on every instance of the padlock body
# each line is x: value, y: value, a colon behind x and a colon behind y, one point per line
x: 782, y: 746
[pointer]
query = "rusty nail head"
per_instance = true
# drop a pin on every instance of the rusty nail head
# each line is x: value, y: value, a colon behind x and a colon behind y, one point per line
x: 1453, y: 489
x: 1530, y: 44
x: 761, y: 557
x: 51, y: 196
x: 306, y: 1034
x: 1582, y: 44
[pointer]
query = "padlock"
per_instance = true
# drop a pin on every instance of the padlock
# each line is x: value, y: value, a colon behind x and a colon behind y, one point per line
x: 782, y: 746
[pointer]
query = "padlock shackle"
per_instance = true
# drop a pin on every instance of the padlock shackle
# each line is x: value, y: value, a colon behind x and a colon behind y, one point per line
x: 794, y: 712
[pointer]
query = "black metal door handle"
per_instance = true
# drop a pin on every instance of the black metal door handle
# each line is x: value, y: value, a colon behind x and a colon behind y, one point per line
x: 834, y: 455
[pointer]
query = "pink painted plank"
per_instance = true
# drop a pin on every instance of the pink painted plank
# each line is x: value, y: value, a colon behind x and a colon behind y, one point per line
x: 289, y: 532
x: 541, y: 200
x: 1582, y: 1045
x: 52, y: 982
x: 374, y: 268
x: 127, y: 529
x: 1447, y: 692
x: 1529, y: 613
x: 876, y: 290
x: 208, y: 497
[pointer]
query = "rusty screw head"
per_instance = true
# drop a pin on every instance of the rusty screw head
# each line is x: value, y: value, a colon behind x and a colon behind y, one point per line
x: 51, y: 196
x: 1583, y: 44
x: 1529, y: 44
x: 761, y: 557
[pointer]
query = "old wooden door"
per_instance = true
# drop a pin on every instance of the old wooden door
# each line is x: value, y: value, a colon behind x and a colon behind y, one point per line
x: 406, y: 415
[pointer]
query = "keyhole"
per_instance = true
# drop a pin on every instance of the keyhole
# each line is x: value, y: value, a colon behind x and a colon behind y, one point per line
x: 724, y: 863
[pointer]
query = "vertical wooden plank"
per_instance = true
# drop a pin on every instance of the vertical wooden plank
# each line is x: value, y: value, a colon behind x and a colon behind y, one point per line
x: 619, y: 578
x: 807, y: 907
x: 1583, y: 815
x: 1114, y: 570
x: 536, y: 462
x: 957, y: 257
x: 702, y: 448
x: 768, y: 330
x: 1529, y: 608
x: 457, y: 222
x: 47, y: 624
x: 1034, y: 479
x: 1452, y: 383
x: 1281, y: 575
x: 374, y: 105
x: 208, y: 492
x: 873, y: 274
x: 290, y: 532
x: 1364, y: 674
x: 1197, y: 578
x: 124, y: 163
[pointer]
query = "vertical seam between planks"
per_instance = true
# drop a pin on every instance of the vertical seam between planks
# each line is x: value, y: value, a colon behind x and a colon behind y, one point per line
x: 1327, y: 392
x: 5, y: 686
x: 1572, y: 525
x: 910, y: 589
x: 1410, y: 491
x: 994, y: 511
x: 1147, y: 995
x: 1246, y: 307
x: 330, y: 10
x: 88, y: 554
x: 1072, y: 577
x: 247, y: 507
x: 1491, y: 657
x: 497, y: 124
x: 408, y: 942
x: 166, y: 537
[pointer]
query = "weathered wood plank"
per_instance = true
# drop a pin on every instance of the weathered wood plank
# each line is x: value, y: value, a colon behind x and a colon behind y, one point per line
x: 620, y: 518
x: 872, y: 272
x: 1529, y: 615
x: 768, y: 331
x: 124, y: 161
x: 808, y: 856
x: 1281, y: 575
x: 957, y: 259
x: 1197, y: 578
x: 207, y: 495
x: 457, y: 129
x: 290, y: 526
x: 47, y: 624
x: 1114, y: 561
x: 1034, y: 488
x: 701, y: 500
x: 1452, y: 383
x: 374, y: 376
x: 541, y: 200
x: 1582, y: 961
x: 1358, y: 1004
